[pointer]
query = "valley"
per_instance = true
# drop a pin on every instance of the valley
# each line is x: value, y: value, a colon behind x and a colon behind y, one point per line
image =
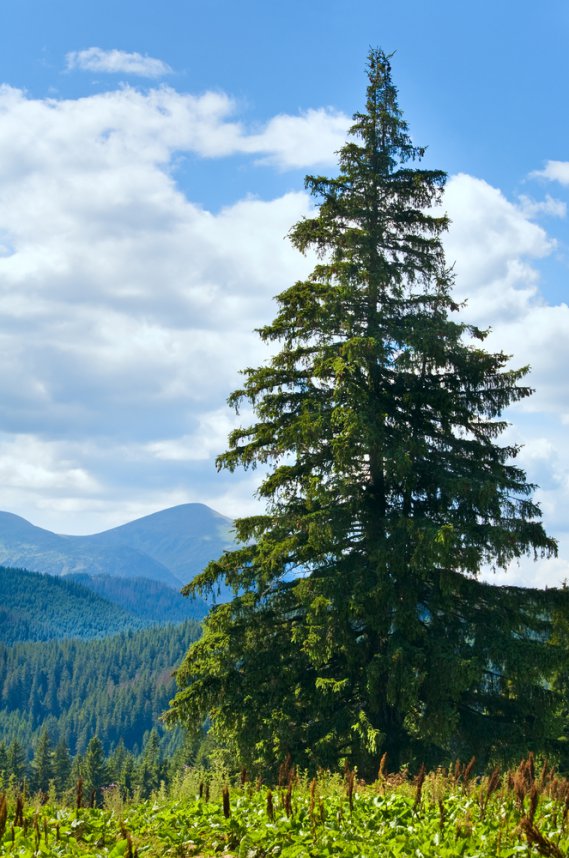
x: 92, y: 629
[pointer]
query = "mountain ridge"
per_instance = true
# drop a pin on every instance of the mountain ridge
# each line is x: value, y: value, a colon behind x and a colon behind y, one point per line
x: 170, y: 546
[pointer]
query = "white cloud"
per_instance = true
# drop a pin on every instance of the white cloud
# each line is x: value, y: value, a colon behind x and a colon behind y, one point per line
x: 540, y: 338
x: 116, y: 62
x: 492, y: 242
x: 542, y: 573
x: 127, y: 310
x: 39, y: 467
x: 497, y: 248
x: 549, y: 206
x: 135, y: 129
x: 205, y: 442
x: 555, y: 171
x: 294, y: 141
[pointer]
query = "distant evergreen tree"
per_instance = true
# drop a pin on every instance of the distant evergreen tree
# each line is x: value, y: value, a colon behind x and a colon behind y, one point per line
x: 61, y: 767
x: 3, y: 764
x: 150, y: 769
x: 121, y: 769
x: 95, y: 775
x: 116, y: 761
x: 42, y: 765
x: 188, y: 753
x: 17, y: 763
x: 77, y: 770
x: 127, y: 781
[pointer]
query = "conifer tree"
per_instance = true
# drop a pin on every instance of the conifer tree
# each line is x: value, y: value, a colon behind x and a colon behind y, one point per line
x: 42, y: 765
x: 116, y: 762
x: 3, y: 765
x: 77, y: 769
x: 61, y: 767
x: 378, y: 420
x: 127, y: 776
x: 150, y: 768
x: 94, y: 771
x: 17, y: 764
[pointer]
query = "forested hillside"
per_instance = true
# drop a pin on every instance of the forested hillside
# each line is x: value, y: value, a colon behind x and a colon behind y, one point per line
x: 41, y: 607
x: 114, y: 688
x: 149, y: 600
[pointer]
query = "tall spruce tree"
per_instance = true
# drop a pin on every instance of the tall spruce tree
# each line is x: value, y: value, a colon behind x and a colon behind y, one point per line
x: 356, y: 627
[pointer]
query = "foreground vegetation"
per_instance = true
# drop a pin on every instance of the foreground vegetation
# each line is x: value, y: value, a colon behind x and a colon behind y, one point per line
x: 520, y: 812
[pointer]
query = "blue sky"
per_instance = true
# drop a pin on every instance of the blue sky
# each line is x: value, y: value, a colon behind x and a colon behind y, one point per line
x: 152, y: 161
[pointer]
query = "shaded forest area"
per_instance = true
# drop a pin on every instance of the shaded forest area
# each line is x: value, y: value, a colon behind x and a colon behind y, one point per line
x: 42, y: 607
x: 36, y: 607
x: 114, y: 688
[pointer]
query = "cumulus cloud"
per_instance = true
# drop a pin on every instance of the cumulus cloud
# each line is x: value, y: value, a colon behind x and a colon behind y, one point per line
x: 492, y: 243
x: 36, y: 465
x: 294, y: 141
x: 554, y: 171
x: 549, y: 206
x: 136, y: 128
x: 497, y: 247
x: 127, y: 309
x: 116, y: 62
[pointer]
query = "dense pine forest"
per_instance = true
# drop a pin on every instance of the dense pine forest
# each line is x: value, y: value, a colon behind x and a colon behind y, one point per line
x: 150, y: 601
x: 35, y: 607
x: 114, y: 688
x: 86, y: 670
x: 42, y: 607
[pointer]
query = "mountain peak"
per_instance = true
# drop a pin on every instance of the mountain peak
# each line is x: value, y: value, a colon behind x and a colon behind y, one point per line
x: 171, y: 546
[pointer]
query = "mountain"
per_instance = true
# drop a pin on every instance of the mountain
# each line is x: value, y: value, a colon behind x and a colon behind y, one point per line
x: 35, y: 607
x: 23, y: 545
x: 183, y: 538
x: 170, y: 546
